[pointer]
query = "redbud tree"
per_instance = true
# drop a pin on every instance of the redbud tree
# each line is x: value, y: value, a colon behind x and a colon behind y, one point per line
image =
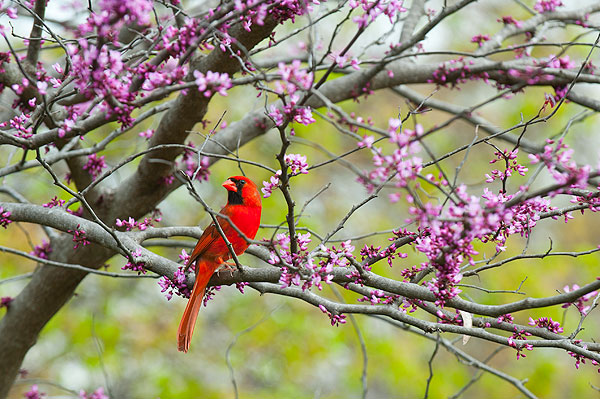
x: 426, y: 165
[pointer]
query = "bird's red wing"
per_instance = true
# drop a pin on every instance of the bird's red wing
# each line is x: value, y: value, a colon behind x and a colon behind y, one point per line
x: 210, y: 235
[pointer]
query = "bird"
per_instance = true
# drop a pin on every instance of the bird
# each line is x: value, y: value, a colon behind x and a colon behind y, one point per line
x: 243, y: 209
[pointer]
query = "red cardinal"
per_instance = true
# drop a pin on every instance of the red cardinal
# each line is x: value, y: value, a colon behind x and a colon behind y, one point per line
x: 243, y: 209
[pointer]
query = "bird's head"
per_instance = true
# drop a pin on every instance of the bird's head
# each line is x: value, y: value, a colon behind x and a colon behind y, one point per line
x: 242, y: 191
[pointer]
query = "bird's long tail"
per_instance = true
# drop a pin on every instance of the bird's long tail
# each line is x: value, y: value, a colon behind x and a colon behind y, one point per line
x: 204, y: 271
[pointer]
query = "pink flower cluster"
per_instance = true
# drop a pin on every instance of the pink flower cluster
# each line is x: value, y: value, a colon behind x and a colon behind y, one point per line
x: 210, y: 293
x: 511, y: 165
x: 90, y: 58
x: 165, y: 74
x: 564, y: 62
x: 547, y: 323
x: 189, y: 162
x: 21, y: 124
x: 372, y: 252
x: 292, y: 79
x: 560, y: 157
x: 480, y: 39
x: 342, y: 60
x: 283, y: 10
x: 114, y: 14
x: 212, y: 82
x: 291, y: 112
x: 402, y: 165
x: 177, y: 40
x: 94, y: 80
x: 335, y: 257
x: 291, y: 262
x: 94, y: 165
x: 97, y: 394
x: 69, y: 123
x: 510, y: 20
x: 5, y: 302
x: 79, y: 237
x: 455, y: 72
x: 378, y: 296
x: 43, y: 250
x: 139, y: 267
x: 54, y: 202
x: 447, y: 238
x: 175, y: 286
x: 336, y: 319
x: 580, y: 303
x: 131, y: 224
x: 271, y: 185
x: 520, y: 335
x: 373, y: 9
x: 580, y: 359
x: 10, y: 11
x: 296, y: 163
x: 4, y: 218
x: 533, y: 75
x: 146, y: 134
x: 547, y: 5
x: 34, y: 393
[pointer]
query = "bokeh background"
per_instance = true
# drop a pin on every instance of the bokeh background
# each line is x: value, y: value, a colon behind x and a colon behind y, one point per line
x: 120, y: 333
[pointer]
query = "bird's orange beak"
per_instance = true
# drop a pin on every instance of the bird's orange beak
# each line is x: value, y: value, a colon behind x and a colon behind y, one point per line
x: 230, y: 186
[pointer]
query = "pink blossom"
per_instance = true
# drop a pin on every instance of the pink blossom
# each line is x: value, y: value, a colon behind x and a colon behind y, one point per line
x: 580, y: 303
x: 21, y: 124
x: 547, y: 323
x: 95, y: 165
x: 147, y: 134
x: 11, y: 12
x: 296, y: 163
x: 43, y: 250
x: 189, y: 162
x: 509, y: 20
x: 34, y: 393
x: 57, y: 68
x: 130, y: 12
x: 97, y: 394
x: 293, y: 77
x: 54, y: 202
x: 372, y: 10
x: 480, y: 39
x: 79, y: 237
x: 139, y: 267
x: 547, y: 5
x: 167, y: 73
x: 5, y: 302
x: 336, y: 319
x: 212, y: 82
x: 271, y: 185
x: 128, y: 224
x: 4, y: 217
x: 367, y: 142
x: 177, y: 285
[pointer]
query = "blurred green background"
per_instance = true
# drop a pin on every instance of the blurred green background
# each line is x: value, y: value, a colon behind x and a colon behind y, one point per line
x: 121, y: 333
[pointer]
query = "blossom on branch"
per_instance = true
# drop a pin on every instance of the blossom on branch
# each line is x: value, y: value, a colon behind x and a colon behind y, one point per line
x: 212, y: 82
x: 271, y: 185
x: 4, y: 218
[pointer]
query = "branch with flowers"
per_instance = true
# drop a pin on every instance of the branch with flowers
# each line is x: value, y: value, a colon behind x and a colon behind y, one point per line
x: 445, y: 162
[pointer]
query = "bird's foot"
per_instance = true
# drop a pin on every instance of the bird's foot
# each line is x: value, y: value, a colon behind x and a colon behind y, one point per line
x: 231, y: 267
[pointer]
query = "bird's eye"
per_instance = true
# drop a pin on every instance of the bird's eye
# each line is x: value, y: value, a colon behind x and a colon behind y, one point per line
x: 242, y: 182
